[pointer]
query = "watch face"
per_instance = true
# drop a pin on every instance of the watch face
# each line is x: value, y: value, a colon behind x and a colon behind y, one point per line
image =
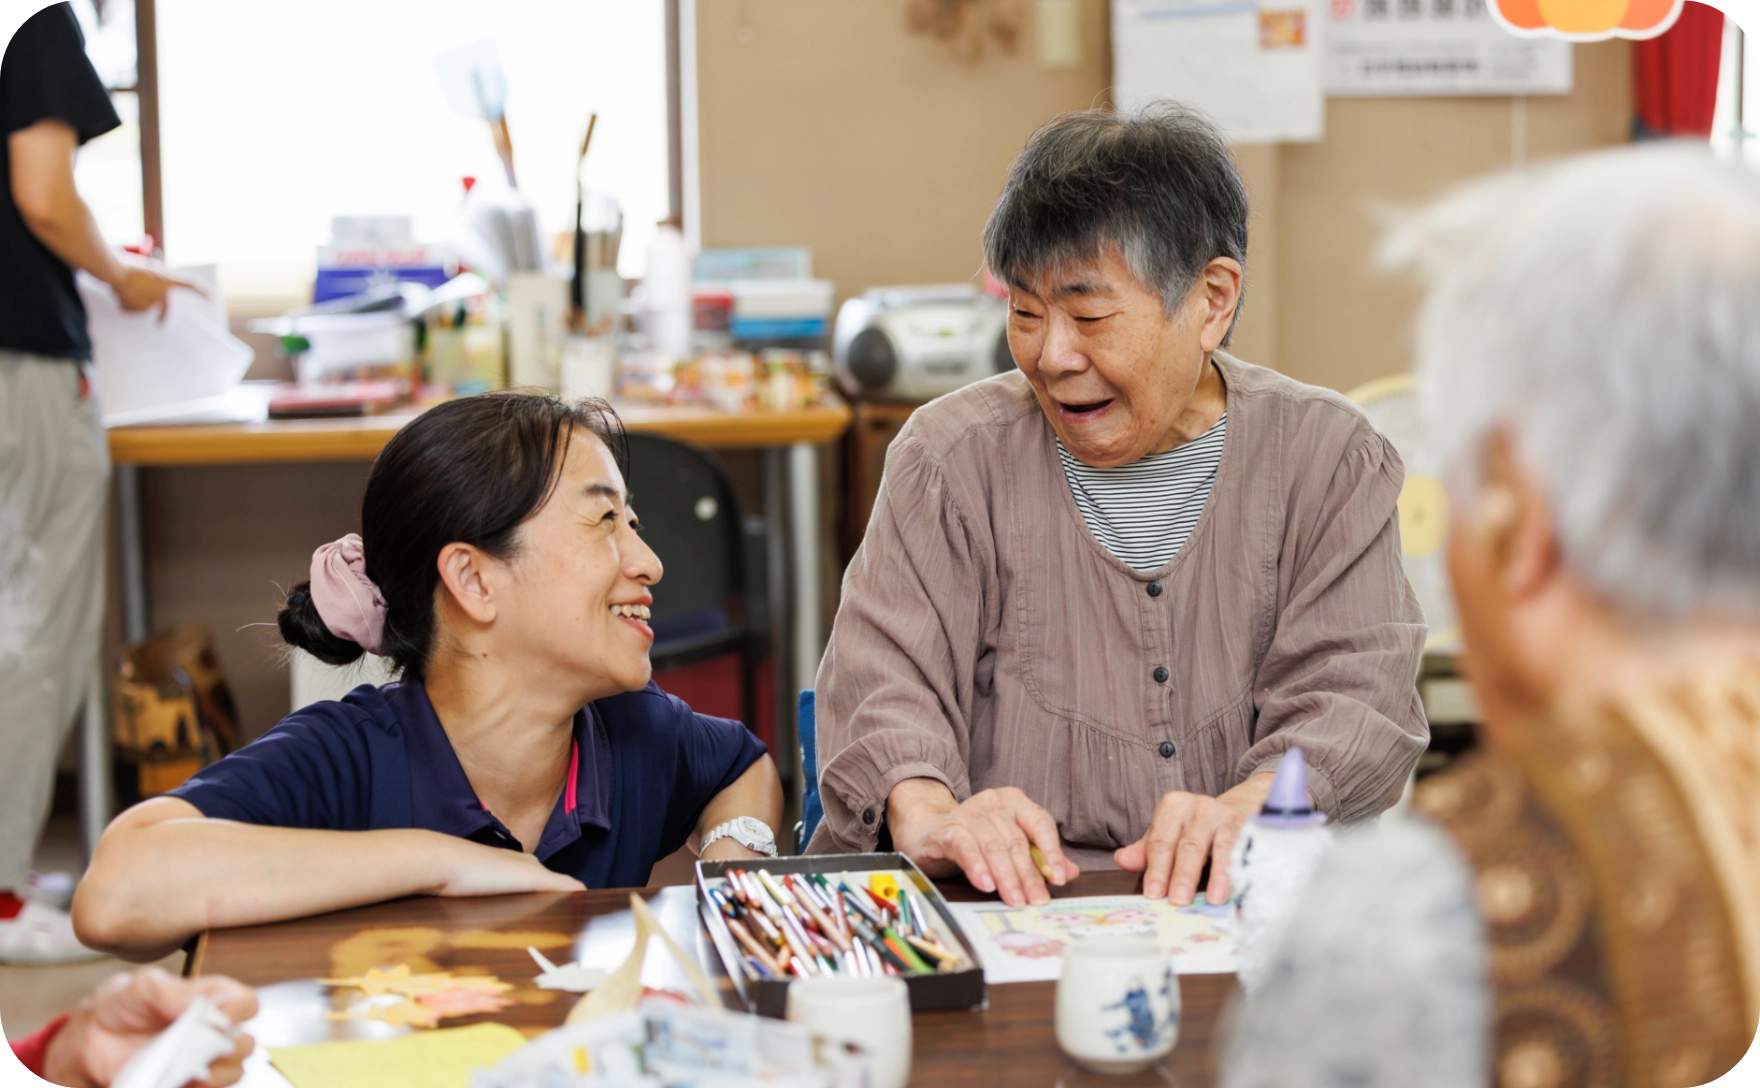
x: 756, y: 829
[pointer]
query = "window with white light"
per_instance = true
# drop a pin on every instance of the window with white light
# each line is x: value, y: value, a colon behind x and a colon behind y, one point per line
x: 276, y: 117
x: 107, y: 171
x: 1738, y: 98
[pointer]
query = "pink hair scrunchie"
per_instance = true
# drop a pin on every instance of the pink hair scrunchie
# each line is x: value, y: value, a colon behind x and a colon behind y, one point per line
x: 350, y: 605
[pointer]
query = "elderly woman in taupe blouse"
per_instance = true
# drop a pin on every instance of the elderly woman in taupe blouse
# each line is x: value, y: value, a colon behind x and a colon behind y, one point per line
x: 1100, y: 597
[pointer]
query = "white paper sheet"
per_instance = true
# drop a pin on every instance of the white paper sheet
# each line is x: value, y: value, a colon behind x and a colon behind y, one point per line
x: 148, y: 370
x: 1436, y: 47
x: 1252, y: 66
x: 1025, y: 944
x: 182, y: 1052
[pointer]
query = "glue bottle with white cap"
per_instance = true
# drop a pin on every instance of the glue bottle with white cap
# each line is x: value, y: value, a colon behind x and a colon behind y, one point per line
x: 1273, y: 861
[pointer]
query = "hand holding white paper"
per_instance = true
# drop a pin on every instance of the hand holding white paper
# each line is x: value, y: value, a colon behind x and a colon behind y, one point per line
x: 149, y: 369
x: 182, y: 1052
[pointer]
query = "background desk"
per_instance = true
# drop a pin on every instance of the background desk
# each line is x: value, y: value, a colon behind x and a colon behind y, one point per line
x: 1011, y: 1041
x: 791, y: 483
x: 361, y: 439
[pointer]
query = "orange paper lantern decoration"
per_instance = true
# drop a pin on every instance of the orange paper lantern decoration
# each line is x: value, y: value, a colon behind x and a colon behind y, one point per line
x: 1521, y: 14
x: 1583, y: 16
x: 1654, y: 16
x: 1587, y: 20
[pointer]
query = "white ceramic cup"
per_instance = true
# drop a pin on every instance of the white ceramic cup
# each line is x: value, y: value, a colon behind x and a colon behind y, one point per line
x: 872, y: 1012
x: 1117, y: 1003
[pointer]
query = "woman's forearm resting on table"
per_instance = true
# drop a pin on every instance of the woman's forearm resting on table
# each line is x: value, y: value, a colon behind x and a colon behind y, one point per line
x: 162, y: 873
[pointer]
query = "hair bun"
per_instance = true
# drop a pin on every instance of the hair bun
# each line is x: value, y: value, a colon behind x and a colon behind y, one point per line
x: 302, y: 627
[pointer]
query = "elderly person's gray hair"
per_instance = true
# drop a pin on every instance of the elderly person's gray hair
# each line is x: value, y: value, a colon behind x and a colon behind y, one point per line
x: 1604, y: 313
x: 1156, y: 185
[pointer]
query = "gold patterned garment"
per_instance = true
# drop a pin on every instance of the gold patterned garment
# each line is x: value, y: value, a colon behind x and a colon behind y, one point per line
x: 1616, y: 859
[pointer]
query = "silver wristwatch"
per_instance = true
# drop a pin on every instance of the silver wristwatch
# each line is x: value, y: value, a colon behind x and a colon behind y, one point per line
x: 748, y: 832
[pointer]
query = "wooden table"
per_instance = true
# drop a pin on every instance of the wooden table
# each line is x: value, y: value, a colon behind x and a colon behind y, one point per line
x: 791, y: 495
x: 1011, y: 1041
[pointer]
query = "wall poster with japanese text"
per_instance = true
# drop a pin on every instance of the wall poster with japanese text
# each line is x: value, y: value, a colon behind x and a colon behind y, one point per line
x: 1435, y: 47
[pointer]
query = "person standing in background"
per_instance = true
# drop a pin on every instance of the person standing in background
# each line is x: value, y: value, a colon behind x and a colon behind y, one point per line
x: 54, y: 465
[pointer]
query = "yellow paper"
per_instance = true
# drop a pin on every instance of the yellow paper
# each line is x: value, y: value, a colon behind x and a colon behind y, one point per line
x: 429, y: 1059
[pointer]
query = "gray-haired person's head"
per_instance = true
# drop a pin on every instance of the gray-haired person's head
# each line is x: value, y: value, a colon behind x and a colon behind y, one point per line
x: 1157, y: 185
x: 1604, y: 313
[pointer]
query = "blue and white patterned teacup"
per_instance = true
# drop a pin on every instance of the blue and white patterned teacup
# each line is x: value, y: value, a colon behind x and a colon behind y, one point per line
x: 1117, y: 1003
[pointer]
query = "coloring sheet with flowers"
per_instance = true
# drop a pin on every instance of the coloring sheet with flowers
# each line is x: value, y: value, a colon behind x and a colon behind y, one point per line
x: 1025, y: 944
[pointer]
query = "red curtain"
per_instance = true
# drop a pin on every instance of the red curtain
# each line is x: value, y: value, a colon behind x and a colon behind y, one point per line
x: 1674, y: 75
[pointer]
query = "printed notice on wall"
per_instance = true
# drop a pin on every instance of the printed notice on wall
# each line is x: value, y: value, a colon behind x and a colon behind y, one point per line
x: 1436, y: 47
x: 1252, y: 66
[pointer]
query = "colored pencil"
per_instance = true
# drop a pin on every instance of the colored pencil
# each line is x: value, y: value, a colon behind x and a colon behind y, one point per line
x: 795, y: 925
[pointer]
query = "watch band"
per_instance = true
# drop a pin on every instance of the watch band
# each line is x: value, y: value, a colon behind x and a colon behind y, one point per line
x: 732, y: 830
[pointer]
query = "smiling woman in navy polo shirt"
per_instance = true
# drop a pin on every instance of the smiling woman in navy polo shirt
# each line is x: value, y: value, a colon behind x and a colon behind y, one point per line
x: 524, y: 749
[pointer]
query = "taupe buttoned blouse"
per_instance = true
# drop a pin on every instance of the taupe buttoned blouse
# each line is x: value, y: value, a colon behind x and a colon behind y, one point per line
x: 986, y: 639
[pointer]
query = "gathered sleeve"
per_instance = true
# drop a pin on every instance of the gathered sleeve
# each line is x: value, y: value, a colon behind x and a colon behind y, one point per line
x: 1339, y: 678
x: 32, y: 1051
x: 912, y: 646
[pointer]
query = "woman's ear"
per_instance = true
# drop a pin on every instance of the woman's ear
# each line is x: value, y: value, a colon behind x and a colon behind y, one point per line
x: 1219, y: 287
x: 464, y: 571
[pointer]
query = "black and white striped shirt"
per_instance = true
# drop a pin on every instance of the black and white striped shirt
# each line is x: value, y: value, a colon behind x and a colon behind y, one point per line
x: 1144, y: 511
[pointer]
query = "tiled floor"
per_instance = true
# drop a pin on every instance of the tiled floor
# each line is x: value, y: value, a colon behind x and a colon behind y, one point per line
x: 32, y: 996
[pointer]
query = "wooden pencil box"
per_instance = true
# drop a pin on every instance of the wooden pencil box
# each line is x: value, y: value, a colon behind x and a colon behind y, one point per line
x: 961, y: 989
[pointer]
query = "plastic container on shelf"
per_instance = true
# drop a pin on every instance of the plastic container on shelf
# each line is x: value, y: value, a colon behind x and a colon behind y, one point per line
x: 669, y: 317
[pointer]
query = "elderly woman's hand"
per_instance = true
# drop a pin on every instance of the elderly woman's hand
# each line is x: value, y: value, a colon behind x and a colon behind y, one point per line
x: 988, y: 837
x: 129, y: 1011
x: 1188, y: 830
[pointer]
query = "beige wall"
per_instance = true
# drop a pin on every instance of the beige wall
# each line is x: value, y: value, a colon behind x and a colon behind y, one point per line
x: 831, y: 126
x: 825, y: 123
x: 1337, y: 323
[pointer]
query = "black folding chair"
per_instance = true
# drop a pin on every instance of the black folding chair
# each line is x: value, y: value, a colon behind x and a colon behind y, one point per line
x: 712, y: 598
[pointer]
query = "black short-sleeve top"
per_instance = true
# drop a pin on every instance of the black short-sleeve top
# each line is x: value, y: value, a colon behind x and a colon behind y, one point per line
x: 44, y: 76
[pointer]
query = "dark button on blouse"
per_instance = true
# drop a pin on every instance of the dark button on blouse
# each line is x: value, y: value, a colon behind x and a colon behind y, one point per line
x: 1160, y: 674
x: 1154, y: 589
x: 867, y: 815
x: 1166, y: 749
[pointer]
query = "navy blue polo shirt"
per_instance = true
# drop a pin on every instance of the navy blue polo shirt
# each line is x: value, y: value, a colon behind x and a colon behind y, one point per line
x: 644, y: 767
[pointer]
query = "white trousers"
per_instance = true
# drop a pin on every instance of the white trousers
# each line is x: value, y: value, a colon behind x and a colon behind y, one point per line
x: 54, y: 475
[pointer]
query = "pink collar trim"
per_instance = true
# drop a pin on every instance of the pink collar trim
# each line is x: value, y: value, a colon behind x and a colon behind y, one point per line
x: 574, y: 772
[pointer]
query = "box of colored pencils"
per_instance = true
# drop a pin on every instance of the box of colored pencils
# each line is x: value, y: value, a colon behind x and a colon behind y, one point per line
x: 774, y: 920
